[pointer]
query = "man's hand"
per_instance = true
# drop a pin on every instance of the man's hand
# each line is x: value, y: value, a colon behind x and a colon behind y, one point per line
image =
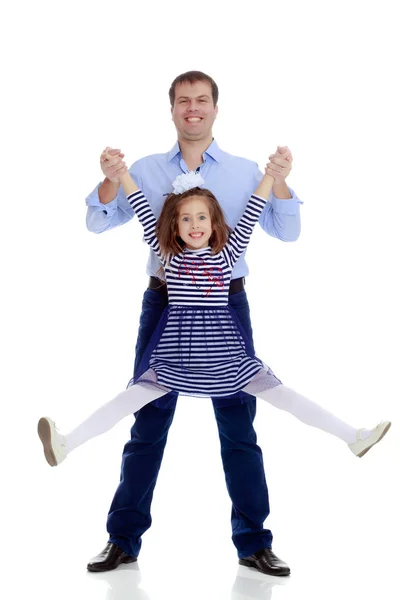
x: 280, y: 164
x: 111, y: 164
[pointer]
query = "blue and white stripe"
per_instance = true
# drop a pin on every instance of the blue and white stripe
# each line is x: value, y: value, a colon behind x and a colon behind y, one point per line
x: 201, y: 350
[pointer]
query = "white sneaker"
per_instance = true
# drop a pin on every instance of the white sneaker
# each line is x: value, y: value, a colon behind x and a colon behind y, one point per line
x: 360, y: 447
x: 54, y: 446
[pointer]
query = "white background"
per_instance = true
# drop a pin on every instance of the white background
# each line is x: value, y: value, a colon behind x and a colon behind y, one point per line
x: 319, y: 77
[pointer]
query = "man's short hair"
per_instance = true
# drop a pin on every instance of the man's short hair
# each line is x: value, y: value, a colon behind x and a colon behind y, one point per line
x: 192, y: 77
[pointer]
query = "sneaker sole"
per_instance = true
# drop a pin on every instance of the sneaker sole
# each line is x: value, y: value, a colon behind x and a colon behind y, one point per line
x: 384, y: 432
x: 44, y: 433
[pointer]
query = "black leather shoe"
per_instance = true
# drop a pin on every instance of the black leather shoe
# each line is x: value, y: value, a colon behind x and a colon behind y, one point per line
x: 266, y: 562
x: 110, y: 558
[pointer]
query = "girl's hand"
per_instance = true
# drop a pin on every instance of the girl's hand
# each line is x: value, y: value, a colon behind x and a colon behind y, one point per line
x: 111, y: 164
x: 280, y: 164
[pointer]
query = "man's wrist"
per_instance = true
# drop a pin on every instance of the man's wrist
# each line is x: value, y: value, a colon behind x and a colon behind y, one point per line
x: 108, y: 191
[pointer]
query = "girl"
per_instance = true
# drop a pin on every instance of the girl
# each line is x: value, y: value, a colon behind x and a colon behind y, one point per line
x: 199, y: 347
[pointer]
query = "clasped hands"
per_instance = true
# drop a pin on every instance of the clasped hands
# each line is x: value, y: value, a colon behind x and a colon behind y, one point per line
x: 279, y: 165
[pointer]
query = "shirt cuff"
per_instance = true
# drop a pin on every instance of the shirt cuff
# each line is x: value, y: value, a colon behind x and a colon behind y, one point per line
x: 94, y: 200
x: 285, y: 206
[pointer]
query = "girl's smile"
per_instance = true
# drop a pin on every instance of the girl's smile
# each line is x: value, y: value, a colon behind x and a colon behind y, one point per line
x: 194, y: 223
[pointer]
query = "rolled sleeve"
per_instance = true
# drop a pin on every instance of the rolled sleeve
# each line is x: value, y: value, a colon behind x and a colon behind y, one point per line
x: 287, y: 206
x: 94, y: 201
x: 281, y: 218
x: 102, y: 217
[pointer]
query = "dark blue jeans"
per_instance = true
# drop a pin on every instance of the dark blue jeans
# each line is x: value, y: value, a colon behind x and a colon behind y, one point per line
x: 129, y: 515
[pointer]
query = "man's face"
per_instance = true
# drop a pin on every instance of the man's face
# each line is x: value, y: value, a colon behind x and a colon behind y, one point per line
x: 194, y: 223
x: 193, y: 112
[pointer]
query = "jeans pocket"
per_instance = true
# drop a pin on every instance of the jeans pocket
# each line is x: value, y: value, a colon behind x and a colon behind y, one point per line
x: 154, y: 300
x: 239, y: 301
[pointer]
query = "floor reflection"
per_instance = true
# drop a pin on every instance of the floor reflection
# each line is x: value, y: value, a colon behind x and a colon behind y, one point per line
x: 250, y: 584
x: 124, y: 583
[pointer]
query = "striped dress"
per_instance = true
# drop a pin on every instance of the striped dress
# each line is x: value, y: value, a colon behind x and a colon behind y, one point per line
x: 199, y: 347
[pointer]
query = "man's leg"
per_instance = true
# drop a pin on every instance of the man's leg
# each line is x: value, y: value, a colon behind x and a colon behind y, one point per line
x: 129, y: 515
x: 244, y: 469
x: 245, y: 479
x: 242, y: 458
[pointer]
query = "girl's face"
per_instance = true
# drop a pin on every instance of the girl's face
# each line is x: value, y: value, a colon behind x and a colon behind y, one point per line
x: 194, y: 223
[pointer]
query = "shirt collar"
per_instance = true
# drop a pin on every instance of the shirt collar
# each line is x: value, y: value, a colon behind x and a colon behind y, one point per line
x: 213, y: 150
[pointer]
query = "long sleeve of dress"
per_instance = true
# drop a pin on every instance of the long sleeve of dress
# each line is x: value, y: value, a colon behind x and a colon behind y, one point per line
x: 141, y: 206
x: 240, y: 236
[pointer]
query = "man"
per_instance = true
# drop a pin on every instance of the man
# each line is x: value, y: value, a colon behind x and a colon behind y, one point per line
x: 194, y: 98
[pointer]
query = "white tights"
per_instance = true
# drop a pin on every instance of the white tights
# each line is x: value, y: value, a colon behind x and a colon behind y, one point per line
x: 309, y: 412
x: 104, y: 418
x: 137, y: 396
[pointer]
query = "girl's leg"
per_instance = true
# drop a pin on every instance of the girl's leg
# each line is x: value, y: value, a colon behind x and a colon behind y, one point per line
x: 126, y: 403
x: 57, y: 446
x: 309, y: 412
x: 358, y: 440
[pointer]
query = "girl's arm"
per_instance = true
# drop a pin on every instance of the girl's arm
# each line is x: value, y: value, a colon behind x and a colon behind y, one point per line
x: 265, y: 187
x: 142, y: 208
x: 129, y: 186
x: 240, y: 236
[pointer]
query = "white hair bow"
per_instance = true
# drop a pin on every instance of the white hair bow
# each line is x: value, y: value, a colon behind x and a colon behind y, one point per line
x: 186, y: 182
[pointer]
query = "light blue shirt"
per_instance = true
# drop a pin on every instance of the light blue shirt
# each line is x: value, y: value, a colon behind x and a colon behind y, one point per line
x: 230, y: 178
